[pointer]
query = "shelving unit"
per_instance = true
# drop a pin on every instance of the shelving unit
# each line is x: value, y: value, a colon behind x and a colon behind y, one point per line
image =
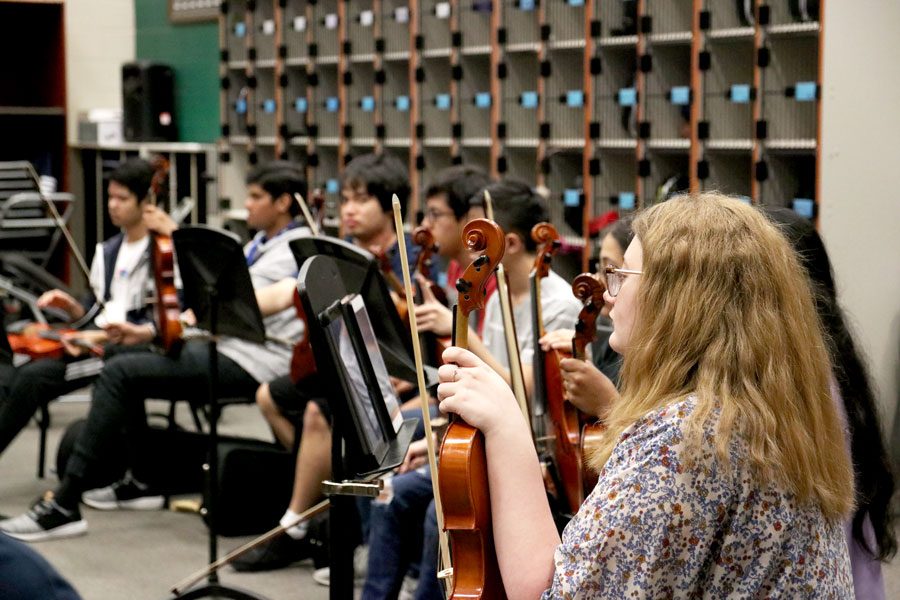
x: 607, y: 104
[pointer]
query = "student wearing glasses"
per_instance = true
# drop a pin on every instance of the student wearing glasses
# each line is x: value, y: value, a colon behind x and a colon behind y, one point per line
x: 723, y: 470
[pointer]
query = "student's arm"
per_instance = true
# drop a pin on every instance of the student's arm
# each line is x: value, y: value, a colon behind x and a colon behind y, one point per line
x: 276, y: 297
x: 481, y: 397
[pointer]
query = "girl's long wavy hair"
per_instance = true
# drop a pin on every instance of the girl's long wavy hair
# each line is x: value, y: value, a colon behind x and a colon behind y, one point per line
x: 724, y: 312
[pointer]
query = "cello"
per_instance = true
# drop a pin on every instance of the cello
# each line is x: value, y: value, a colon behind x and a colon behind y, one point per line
x: 462, y: 469
x: 548, y: 384
x: 303, y: 361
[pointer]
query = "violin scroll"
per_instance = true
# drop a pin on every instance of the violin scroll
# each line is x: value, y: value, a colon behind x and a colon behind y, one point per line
x: 486, y: 237
x: 590, y: 292
x: 547, y: 238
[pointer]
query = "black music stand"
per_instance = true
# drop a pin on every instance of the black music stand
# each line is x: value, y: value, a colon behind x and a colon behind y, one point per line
x: 217, y: 287
x: 320, y: 285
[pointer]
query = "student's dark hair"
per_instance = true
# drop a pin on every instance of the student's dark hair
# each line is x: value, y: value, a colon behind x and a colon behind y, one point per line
x: 380, y: 175
x: 621, y: 231
x: 459, y: 183
x: 517, y: 208
x: 135, y: 174
x: 279, y: 177
x: 874, y: 475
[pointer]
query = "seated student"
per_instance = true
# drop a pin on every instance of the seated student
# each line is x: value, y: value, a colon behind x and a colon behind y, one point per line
x: 368, y: 185
x: 128, y: 379
x: 121, y: 277
x: 870, y: 529
x: 723, y: 470
x: 397, y: 533
x: 591, y: 385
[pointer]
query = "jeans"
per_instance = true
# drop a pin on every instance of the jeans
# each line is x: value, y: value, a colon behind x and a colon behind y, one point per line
x: 395, y: 533
x: 429, y: 587
x: 128, y: 379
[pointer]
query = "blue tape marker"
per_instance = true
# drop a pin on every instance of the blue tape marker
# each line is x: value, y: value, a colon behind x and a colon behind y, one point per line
x: 367, y: 103
x: 574, y: 98
x: 332, y: 103
x: 744, y: 199
x: 240, y: 29
x: 740, y: 93
x: 240, y: 106
x: 805, y: 91
x: 402, y: 103
x: 529, y: 99
x: 526, y: 5
x: 627, y: 96
x: 626, y: 200
x: 332, y: 186
x: 483, y: 100
x: 575, y: 2
x: 442, y: 101
x: 300, y: 105
x: 571, y: 198
x: 269, y: 105
x: 805, y: 207
x: 680, y: 95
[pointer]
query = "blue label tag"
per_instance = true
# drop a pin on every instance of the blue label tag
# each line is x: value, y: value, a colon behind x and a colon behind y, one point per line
x: 740, y: 93
x: 626, y: 200
x: 529, y: 99
x: 367, y: 103
x: 744, y: 199
x: 574, y: 98
x: 332, y: 186
x: 526, y: 5
x: 240, y: 29
x: 442, y: 101
x: 300, y: 105
x: 402, y: 103
x: 571, y: 198
x: 575, y: 2
x: 269, y: 105
x: 805, y: 207
x: 240, y: 106
x: 483, y: 100
x: 680, y: 95
x: 332, y: 103
x: 627, y: 97
x: 805, y: 91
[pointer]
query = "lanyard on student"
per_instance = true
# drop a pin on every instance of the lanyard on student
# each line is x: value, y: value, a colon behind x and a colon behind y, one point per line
x: 252, y: 253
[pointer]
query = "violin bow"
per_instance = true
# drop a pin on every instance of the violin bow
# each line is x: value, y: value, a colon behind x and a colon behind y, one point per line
x: 304, y: 208
x: 516, y: 378
x: 423, y: 392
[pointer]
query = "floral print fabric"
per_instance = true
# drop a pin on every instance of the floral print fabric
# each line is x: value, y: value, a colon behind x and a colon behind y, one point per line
x: 655, y: 527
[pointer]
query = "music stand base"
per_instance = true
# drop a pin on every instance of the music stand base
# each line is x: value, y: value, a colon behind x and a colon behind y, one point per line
x: 217, y: 590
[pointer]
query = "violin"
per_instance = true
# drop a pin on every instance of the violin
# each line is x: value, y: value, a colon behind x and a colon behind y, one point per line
x: 590, y: 291
x: 563, y: 417
x: 303, y: 361
x: 395, y: 285
x: 167, y: 310
x: 462, y: 469
x: 434, y: 345
x: 41, y: 341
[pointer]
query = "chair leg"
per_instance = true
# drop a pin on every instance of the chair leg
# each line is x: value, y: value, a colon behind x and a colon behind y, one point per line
x: 43, y: 425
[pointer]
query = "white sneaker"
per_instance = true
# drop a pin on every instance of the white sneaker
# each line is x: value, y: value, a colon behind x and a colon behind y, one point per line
x: 128, y: 493
x: 360, y: 568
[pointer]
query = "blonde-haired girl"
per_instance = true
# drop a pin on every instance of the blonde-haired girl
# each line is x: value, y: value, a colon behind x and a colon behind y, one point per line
x: 723, y: 471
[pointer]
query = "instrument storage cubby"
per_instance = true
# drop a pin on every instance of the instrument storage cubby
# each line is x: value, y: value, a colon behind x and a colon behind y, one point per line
x: 656, y: 92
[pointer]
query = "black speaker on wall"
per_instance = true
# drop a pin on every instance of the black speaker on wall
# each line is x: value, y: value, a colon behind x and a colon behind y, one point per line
x: 148, y: 102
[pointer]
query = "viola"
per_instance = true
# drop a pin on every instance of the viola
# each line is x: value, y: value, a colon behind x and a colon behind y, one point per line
x: 167, y: 309
x: 462, y: 470
x: 396, y: 286
x: 590, y: 291
x: 563, y: 417
x: 434, y: 345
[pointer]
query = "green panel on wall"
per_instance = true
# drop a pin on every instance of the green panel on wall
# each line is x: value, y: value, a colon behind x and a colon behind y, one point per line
x: 192, y: 50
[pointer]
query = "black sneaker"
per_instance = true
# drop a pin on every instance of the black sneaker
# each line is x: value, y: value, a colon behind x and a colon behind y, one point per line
x: 128, y: 493
x: 45, y: 520
x: 275, y: 554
